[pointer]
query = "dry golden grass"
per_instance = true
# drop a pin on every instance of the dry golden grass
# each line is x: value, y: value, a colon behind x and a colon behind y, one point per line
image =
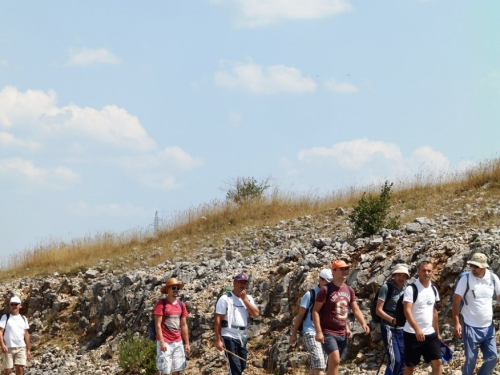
x: 424, y: 195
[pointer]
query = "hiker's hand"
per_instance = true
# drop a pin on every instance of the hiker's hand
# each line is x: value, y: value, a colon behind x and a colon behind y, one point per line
x: 28, y: 355
x: 458, y: 331
x: 163, y: 346
x: 440, y: 338
x: 420, y: 335
x: 219, y: 345
x: 243, y: 295
x: 293, y: 339
x: 4, y: 349
x: 187, y: 349
x: 349, y: 333
x: 366, y: 329
x: 319, y: 337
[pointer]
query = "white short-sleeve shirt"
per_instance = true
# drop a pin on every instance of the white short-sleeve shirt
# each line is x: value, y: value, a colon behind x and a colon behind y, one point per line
x: 238, y: 315
x: 479, y: 311
x: 423, y: 308
x: 14, y: 334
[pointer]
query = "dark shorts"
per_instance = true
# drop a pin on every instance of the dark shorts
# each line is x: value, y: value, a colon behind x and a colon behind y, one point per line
x: 430, y: 349
x: 333, y: 343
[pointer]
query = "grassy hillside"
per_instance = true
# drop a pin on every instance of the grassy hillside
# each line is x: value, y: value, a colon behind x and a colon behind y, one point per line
x: 209, y: 224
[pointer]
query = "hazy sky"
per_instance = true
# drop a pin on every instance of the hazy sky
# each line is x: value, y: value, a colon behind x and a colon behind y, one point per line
x: 112, y: 110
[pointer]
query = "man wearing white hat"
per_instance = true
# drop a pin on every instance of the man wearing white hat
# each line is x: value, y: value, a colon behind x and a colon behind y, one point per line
x: 318, y: 362
x: 15, y: 339
x: 171, y: 327
x: 392, y: 335
x: 476, y: 288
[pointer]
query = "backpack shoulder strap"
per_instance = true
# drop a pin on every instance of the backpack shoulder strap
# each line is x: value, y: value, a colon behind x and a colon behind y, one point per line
x: 415, y: 292
x: 164, y: 301
x: 181, y: 304
x: 312, y: 299
x: 390, y: 289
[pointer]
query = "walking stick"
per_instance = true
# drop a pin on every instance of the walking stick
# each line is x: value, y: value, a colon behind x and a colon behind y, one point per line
x: 237, y: 356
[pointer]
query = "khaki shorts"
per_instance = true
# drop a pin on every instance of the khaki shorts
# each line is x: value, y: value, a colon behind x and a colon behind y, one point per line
x: 14, y: 356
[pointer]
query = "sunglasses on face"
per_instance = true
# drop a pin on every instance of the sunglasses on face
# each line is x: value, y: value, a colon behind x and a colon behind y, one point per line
x: 344, y: 268
x: 473, y: 266
x: 175, y: 288
x: 14, y: 304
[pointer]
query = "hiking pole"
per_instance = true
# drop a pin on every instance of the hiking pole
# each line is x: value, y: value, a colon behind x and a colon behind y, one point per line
x: 237, y: 356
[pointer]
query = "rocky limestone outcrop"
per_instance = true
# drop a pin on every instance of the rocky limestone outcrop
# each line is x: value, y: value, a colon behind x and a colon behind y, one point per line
x: 78, y: 320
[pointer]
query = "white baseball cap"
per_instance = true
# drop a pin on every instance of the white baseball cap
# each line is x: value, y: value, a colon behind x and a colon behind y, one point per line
x: 326, y: 274
x: 15, y: 299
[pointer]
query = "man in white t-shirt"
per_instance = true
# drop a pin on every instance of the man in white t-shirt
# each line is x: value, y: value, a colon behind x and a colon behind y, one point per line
x: 231, y: 320
x: 476, y: 289
x: 14, y: 339
x: 421, y: 331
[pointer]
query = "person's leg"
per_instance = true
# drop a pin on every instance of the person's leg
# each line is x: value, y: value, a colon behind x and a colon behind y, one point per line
x: 19, y: 369
x: 470, y: 349
x: 242, y: 352
x: 19, y: 359
x: 387, y: 339
x: 8, y: 362
x: 408, y: 370
x: 316, y: 353
x: 399, y: 352
x: 234, y: 362
x: 436, y: 366
x: 489, y: 350
x: 178, y: 358
x: 333, y: 363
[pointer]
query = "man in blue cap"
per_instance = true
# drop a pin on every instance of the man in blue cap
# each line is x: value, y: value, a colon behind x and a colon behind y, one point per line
x: 231, y: 320
x: 476, y: 289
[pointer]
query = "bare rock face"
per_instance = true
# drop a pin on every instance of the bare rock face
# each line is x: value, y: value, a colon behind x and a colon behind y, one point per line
x: 92, y: 311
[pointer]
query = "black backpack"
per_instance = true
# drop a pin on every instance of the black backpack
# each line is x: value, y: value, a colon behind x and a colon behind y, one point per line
x: 312, y: 299
x: 373, y: 307
x: 400, y: 313
x: 152, y: 325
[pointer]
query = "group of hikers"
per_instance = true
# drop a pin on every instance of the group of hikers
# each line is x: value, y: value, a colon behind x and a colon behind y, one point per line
x: 407, y: 314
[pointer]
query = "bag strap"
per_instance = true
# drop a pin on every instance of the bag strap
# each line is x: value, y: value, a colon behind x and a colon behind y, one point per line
x: 390, y: 289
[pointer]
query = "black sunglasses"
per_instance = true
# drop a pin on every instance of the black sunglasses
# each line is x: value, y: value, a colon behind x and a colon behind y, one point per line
x: 473, y: 266
x: 14, y: 304
x: 175, y: 288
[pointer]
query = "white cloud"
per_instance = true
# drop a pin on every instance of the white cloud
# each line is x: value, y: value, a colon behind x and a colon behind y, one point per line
x: 429, y: 158
x: 255, y: 13
x: 109, y: 136
x: 340, y: 87
x: 352, y: 154
x: 86, y: 57
x: 4, y: 62
x: 26, y: 169
x: 7, y: 139
x: 275, y: 79
x: 82, y: 208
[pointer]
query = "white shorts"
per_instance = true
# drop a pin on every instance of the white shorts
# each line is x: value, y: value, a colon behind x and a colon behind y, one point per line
x: 171, y: 360
x: 14, y: 356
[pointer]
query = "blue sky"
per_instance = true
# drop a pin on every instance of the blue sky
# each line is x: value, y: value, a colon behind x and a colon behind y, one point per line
x: 112, y: 110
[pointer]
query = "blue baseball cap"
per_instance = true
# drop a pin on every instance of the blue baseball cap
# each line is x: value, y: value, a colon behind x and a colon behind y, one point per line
x: 240, y: 277
x: 446, y: 353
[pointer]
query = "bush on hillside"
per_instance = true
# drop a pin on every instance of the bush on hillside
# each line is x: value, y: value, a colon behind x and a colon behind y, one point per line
x: 137, y: 355
x: 245, y: 189
x: 370, y: 215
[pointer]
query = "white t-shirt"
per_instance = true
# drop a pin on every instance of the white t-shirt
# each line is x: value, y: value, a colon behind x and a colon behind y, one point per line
x: 423, y: 308
x: 238, y: 314
x: 14, y: 334
x: 479, y: 311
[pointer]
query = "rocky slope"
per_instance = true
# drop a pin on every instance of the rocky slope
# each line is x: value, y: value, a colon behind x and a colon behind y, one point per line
x: 77, y: 321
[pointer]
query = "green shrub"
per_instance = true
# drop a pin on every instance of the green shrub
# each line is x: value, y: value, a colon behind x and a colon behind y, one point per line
x: 370, y: 215
x: 244, y: 189
x: 137, y: 355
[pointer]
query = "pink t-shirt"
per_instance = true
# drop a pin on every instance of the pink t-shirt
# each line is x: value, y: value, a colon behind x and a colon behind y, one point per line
x: 171, y: 321
x: 335, y: 311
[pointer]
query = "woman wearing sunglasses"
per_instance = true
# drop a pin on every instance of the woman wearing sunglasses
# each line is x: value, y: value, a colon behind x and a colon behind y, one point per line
x: 170, y: 319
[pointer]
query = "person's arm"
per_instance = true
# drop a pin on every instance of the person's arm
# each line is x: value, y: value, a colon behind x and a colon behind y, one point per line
x: 435, y: 323
x: 251, y: 308
x: 159, y: 333
x: 217, y: 329
x: 4, y: 348
x: 296, y: 324
x: 407, y: 306
x: 317, y: 325
x: 359, y: 317
x: 455, y: 311
x: 28, y: 344
x: 380, y: 312
x: 185, y: 335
